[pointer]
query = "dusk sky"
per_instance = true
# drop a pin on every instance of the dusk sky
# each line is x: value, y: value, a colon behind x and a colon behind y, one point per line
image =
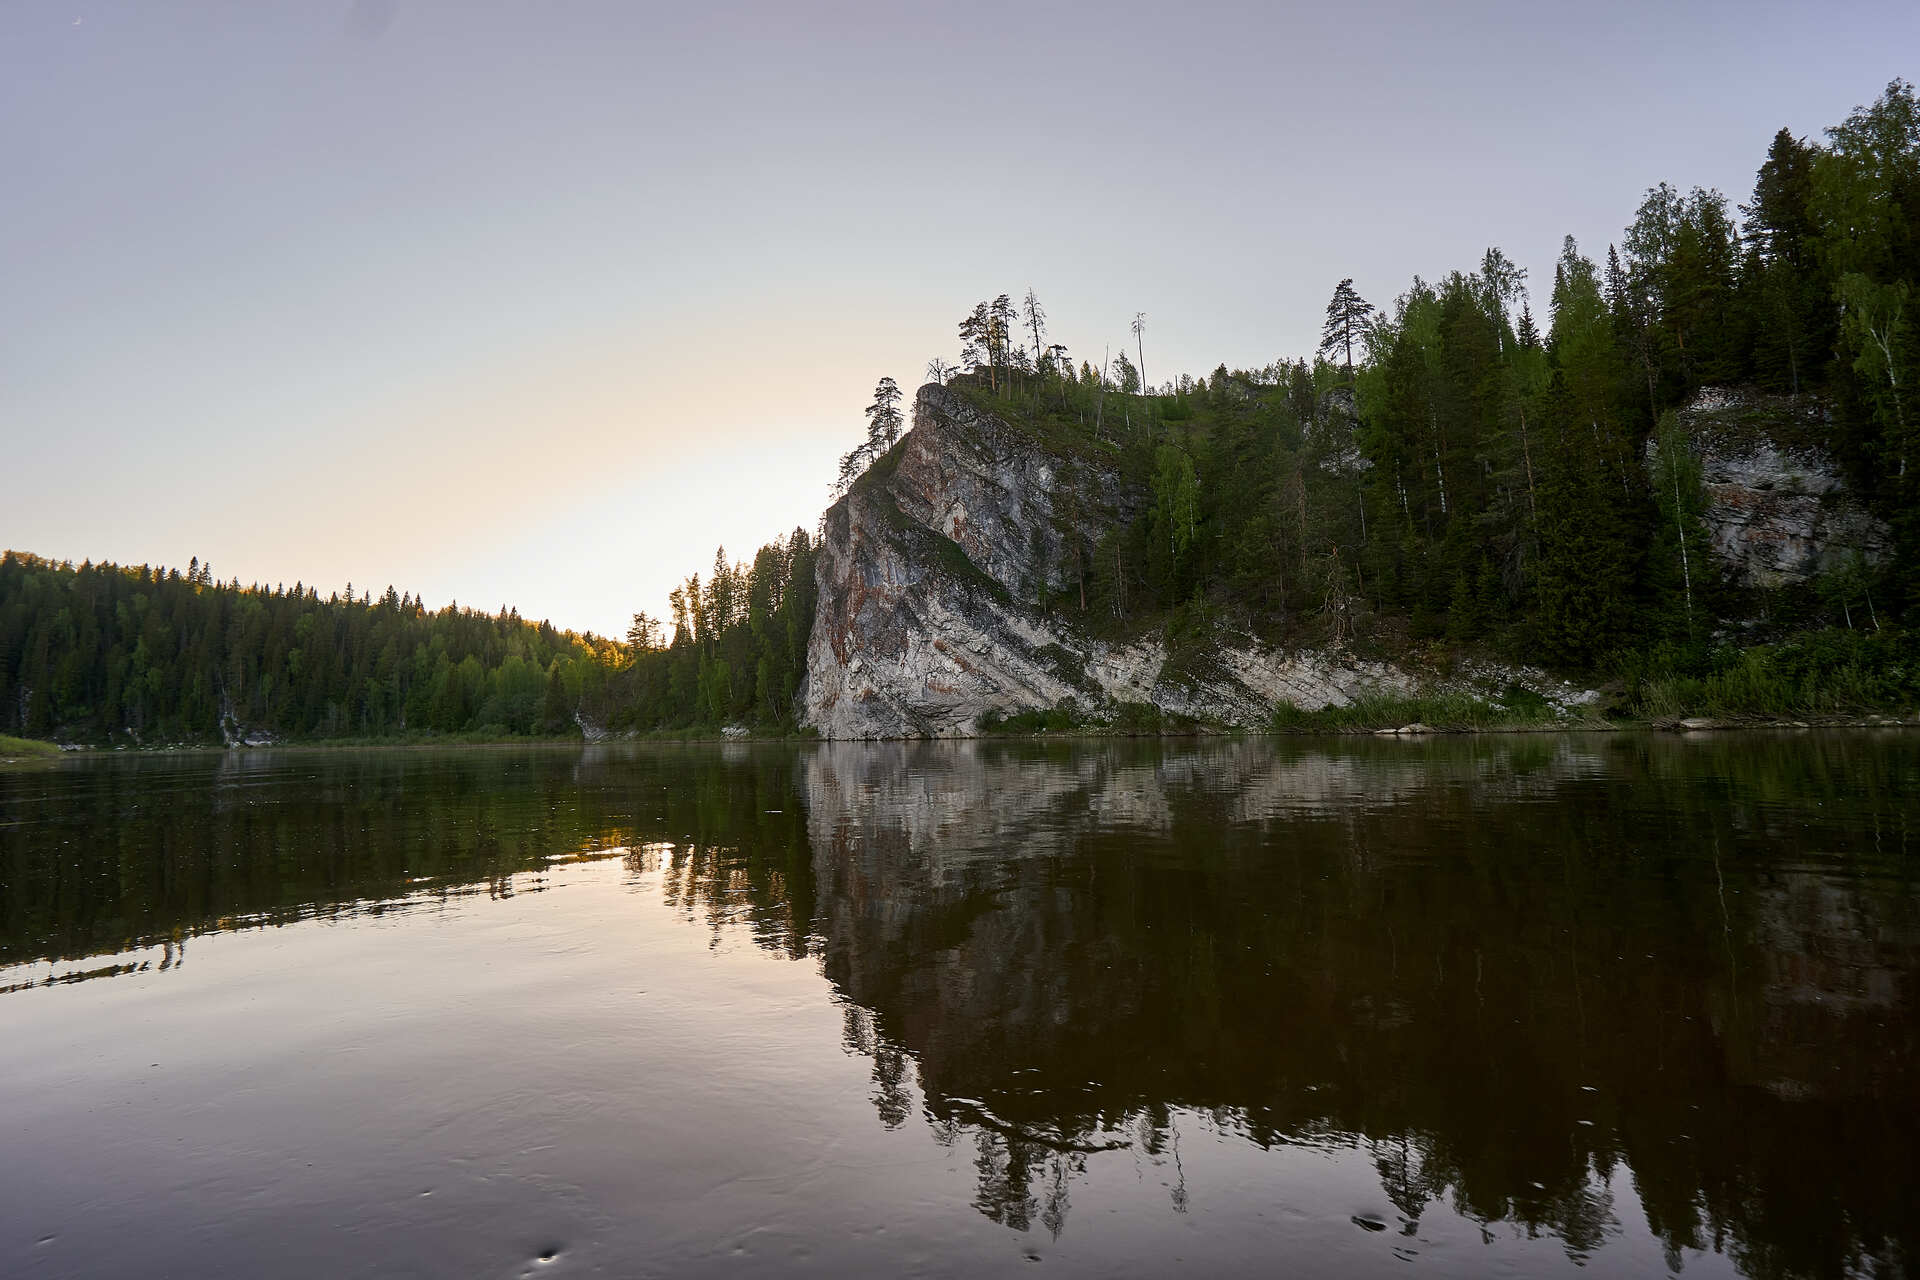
x: 536, y: 303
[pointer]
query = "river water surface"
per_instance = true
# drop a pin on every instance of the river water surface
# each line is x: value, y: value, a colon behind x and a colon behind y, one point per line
x: 1521, y: 1005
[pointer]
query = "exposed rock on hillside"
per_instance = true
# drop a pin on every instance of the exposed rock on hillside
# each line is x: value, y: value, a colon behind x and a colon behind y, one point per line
x: 930, y: 576
x: 1778, y: 509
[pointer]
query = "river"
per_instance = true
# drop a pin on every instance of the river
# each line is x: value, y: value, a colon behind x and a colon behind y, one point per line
x: 1619, y: 1004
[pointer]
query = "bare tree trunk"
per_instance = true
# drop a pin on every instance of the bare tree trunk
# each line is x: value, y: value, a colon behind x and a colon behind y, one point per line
x: 1646, y: 366
x: 1526, y: 452
x: 1100, y: 397
x: 1680, y: 527
x: 1882, y: 338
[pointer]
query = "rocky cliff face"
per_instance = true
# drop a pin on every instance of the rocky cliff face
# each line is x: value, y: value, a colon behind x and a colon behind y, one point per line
x: 930, y: 578
x: 1778, y: 509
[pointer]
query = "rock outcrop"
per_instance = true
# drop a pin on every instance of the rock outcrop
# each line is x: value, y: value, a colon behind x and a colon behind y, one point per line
x: 1778, y: 508
x: 931, y: 577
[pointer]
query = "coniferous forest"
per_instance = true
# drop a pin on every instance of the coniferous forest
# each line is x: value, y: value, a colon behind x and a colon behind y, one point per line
x: 100, y: 653
x: 1450, y: 469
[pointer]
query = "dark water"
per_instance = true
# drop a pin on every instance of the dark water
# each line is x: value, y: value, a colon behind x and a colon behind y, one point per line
x: 1473, y: 1006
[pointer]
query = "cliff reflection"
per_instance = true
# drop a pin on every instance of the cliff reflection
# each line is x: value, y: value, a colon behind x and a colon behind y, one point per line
x: 1520, y: 974
x: 1507, y: 969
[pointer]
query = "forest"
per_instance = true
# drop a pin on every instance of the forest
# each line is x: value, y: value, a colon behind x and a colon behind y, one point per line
x: 101, y: 654
x: 1448, y: 470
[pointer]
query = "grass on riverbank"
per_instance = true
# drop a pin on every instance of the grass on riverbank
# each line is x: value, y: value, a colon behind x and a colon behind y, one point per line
x: 1513, y: 708
x: 1128, y: 720
x: 12, y: 749
x: 1815, y: 673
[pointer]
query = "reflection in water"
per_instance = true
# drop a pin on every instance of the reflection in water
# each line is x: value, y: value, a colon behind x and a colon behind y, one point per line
x: 1506, y: 969
x: 1525, y: 976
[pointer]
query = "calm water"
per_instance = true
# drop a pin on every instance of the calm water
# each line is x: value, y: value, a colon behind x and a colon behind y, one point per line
x: 1515, y: 1006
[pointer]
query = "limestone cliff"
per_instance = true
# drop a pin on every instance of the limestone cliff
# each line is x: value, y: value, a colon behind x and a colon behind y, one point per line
x: 1778, y: 510
x: 931, y: 573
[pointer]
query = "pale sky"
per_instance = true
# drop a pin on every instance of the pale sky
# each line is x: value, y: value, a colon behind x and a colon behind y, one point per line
x: 538, y: 302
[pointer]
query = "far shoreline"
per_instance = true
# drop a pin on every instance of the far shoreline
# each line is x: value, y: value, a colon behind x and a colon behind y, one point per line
x: 17, y: 752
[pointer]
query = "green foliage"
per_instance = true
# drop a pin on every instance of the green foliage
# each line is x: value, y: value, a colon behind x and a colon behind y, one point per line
x: 737, y: 656
x: 1680, y: 548
x: 101, y: 653
x: 1512, y: 708
x: 1835, y: 671
x: 1138, y: 718
x: 1864, y: 206
x: 1126, y: 719
x: 1176, y: 513
x: 1069, y: 666
x: 1064, y: 718
x: 109, y: 655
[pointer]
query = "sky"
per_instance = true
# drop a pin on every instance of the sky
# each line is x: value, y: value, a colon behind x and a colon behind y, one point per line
x: 538, y: 303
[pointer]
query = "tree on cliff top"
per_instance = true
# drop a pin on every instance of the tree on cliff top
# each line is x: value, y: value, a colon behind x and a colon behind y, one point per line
x: 987, y: 332
x: 884, y: 421
x: 1036, y: 318
x: 883, y: 416
x: 1140, y: 343
x: 1346, y: 318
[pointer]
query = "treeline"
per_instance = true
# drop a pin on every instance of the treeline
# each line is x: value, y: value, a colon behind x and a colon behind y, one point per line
x: 103, y: 653
x: 1448, y: 466
x: 737, y: 652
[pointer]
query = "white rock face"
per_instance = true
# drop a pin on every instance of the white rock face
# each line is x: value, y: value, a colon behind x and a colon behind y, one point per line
x: 927, y: 576
x: 1778, y: 509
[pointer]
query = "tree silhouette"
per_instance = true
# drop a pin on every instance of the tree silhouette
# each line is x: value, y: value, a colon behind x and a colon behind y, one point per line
x: 1346, y: 316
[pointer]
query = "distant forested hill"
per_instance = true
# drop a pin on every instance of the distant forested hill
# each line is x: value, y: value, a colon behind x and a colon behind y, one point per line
x: 105, y: 653
x: 99, y: 653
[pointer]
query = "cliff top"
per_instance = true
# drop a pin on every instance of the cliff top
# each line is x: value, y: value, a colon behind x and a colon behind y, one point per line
x: 1729, y: 420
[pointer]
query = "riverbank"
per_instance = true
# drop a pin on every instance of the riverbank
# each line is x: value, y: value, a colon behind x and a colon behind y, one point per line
x: 1415, y: 728
x: 20, y: 750
x: 1423, y: 720
x: 34, y: 749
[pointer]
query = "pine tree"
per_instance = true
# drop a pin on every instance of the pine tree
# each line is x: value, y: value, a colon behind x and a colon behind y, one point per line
x: 1036, y: 318
x: 883, y: 417
x: 977, y: 348
x: 1346, y: 318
